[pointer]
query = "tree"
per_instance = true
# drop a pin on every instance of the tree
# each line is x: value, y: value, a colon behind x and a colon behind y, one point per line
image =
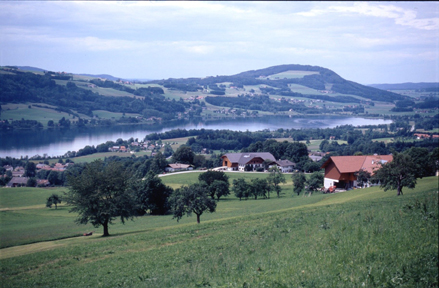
x: 398, y: 173
x: 168, y: 151
x: 299, y: 181
x: 31, y: 182
x: 158, y: 163
x: 274, y: 179
x: 259, y: 187
x: 53, y: 177
x: 422, y: 161
x: 314, y: 182
x: 99, y: 194
x: 209, y: 177
x: 363, y: 177
x: 219, y: 188
x: 241, y: 188
x: 184, y: 154
x: 152, y: 194
x: 30, y: 169
x: 191, y: 199
x: 54, y: 199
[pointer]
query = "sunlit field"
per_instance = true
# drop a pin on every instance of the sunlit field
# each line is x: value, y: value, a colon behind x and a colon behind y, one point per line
x: 359, y: 238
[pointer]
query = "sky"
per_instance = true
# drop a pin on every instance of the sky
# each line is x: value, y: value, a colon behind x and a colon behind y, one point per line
x: 365, y: 42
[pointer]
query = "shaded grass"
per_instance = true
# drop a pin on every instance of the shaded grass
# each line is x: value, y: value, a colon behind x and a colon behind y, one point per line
x: 365, y: 238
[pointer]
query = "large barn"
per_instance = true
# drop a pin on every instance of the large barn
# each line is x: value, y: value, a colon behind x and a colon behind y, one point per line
x: 340, y: 170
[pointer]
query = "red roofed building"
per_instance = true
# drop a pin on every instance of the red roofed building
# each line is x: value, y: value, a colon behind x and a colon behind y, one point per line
x: 340, y: 170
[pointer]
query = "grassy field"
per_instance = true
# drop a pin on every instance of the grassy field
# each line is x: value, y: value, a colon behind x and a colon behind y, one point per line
x: 360, y: 238
x: 43, y: 115
x: 291, y: 74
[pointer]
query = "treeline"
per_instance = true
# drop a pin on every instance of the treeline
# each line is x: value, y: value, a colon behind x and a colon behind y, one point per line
x: 410, y: 105
x: 223, y: 139
x: 258, y: 102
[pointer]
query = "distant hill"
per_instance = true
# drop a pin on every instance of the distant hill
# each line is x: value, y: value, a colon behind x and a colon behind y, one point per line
x: 30, y: 68
x: 277, y: 80
x: 406, y: 86
x: 103, y: 76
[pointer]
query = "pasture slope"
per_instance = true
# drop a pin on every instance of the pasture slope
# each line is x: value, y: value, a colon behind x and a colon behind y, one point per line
x: 360, y: 238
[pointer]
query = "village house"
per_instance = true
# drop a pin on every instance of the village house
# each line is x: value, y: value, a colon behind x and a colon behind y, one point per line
x: 17, y: 182
x: 18, y: 172
x: 238, y: 161
x: 284, y: 166
x: 178, y: 167
x: 340, y: 170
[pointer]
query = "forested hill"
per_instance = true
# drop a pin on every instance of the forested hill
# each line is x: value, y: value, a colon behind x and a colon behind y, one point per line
x: 24, y: 87
x: 279, y: 78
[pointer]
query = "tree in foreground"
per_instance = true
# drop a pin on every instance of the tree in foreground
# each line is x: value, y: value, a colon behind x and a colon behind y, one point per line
x: 191, y: 199
x: 298, y: 182
x: 54, y: 199
x: 274, y: 179
x: 100, y: 194
x: 398, y: 173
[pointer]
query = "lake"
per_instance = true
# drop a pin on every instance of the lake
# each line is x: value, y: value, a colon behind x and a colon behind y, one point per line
x: 58, y: 142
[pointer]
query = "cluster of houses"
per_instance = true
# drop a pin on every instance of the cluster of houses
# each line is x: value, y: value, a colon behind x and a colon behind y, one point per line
x: 18, y: 172
x: 134, y: 145
x: 425, y: 136
x: 340, y: 171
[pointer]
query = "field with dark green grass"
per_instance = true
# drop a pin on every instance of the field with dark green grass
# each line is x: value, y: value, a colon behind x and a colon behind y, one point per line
x: 360, y: 238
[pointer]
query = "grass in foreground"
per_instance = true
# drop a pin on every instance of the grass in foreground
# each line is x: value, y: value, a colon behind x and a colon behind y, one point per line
x: 361, y: 238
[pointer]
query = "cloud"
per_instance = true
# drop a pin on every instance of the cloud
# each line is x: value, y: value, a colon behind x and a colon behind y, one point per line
x: 401, y: 16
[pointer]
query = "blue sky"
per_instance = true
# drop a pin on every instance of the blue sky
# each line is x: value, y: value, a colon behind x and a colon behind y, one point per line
x: 366, y: 42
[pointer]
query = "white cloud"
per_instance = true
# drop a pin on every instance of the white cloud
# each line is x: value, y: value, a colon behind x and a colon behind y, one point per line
x: 400, y: 15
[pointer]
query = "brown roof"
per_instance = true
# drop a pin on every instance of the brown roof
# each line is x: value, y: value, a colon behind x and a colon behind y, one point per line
x: 349, y: 164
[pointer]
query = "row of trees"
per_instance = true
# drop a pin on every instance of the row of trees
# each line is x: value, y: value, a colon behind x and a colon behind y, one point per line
x: 102, y: 192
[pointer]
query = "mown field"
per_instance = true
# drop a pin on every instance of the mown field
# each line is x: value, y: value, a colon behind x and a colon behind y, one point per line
x: 360, y: 238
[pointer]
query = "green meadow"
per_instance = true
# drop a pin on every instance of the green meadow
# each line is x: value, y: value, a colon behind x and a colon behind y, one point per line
x: 360, y: 238
x: 43, y: 115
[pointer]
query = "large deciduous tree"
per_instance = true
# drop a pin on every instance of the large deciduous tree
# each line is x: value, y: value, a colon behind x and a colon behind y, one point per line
x: 398, y: 173
x: 100, y: 194
x: 191, y: 199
